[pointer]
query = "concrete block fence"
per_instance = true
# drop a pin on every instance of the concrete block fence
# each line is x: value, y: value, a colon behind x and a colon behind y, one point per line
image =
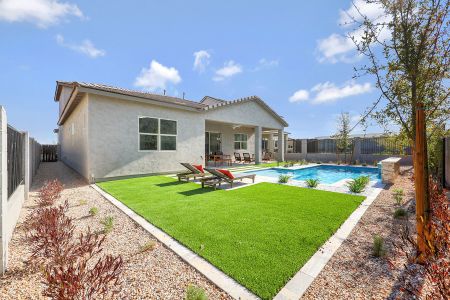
x: 10, y: 206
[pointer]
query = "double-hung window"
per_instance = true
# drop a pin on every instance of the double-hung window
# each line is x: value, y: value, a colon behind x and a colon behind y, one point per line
x: 157, y: 134
x: 240, y: 141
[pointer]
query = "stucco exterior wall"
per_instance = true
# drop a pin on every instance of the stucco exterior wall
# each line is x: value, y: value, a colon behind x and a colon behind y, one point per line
x: 73, y: 139
x: 113, y: 135
x: 228, y: 133
x: 64, y: 97
x: 246, y: 113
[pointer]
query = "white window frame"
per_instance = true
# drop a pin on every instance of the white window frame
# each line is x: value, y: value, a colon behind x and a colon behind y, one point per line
x: 240, y: 142
x: 158, y: 135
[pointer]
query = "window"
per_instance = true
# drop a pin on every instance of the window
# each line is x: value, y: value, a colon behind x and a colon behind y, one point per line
x: 240, y: 141
x: 153, y: 131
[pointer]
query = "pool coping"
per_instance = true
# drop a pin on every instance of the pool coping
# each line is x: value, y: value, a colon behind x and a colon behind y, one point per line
x: 295, y: 287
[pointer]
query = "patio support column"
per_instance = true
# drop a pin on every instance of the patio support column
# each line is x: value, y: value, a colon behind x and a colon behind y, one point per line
x: 281, y: 146
x: 258, y: 144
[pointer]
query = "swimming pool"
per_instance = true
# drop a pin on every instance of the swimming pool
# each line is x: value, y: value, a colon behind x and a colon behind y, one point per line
x: 325, y: 173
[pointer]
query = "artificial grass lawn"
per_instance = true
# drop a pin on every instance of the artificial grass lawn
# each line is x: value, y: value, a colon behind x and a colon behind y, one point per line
x: 260, y: 235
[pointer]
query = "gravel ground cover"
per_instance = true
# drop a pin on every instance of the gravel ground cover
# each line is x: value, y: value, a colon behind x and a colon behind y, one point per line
x: 353, y: 272
x: 153, y: 274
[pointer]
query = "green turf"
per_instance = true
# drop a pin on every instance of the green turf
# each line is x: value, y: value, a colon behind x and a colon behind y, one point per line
x: 260, y: 235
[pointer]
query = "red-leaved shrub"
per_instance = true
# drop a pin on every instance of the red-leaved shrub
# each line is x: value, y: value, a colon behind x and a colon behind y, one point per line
x: 436, y: 269
x: 50, y: 192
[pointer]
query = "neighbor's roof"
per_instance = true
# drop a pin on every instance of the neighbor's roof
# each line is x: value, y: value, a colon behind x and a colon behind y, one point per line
x: 85, y: 87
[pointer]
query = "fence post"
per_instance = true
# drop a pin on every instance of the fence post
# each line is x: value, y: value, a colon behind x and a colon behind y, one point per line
x: 357, y: 150
x: 304, y: 148
x: 3, y: 190
x: 26, y: 162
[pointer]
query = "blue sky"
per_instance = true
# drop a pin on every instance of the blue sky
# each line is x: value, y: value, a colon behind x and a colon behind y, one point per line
x: 292, y: 54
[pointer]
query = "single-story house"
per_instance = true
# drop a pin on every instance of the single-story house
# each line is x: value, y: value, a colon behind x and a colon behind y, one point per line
x: 107, y: 132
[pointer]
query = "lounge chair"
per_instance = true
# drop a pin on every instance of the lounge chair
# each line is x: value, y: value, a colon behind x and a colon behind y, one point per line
x: 219, y: 177
x: 247, y: 158
x: 267, y: 156
x: 193, y: 172
x: 237, y: 157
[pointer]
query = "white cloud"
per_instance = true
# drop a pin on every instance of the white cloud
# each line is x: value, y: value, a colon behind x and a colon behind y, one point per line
x: 340, y: 47
x: 298, y: 96
x: 201, y: 60
x: 157, y: 77
x: 43, y: 13
x: 328, y: 92
x: 264, y: 63
x: 86, y: 47
x: 230, y: 68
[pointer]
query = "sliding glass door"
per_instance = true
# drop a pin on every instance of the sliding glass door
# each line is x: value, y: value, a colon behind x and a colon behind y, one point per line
x: 213, y: 142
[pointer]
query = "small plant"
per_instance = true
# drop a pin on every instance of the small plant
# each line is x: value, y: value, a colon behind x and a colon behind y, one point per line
x: 303, y: 162
x: 195, y: 293
x: 283, y: 178
x: 398, y: 196
x: 148, y: 246
x: 338, y: 162
x: 364, y: 164
x: 378, y: 246
x: 49, y: 193
x: 400, y: 213
x: 82, y: 202
x: 312, y: 183
x: 108, y: 224
x: 93, y: 211
x: 363, y: 180
x: 356, y: 186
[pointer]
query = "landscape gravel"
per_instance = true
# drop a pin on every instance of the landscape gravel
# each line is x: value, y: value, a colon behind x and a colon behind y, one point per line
x: 152, y: 274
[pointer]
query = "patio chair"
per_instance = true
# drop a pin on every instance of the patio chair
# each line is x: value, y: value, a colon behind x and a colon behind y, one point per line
x: 267, y: 156
x: 247, y: 157
x: 193, y: 172
x: 237, y: 157
x: 218, y: 177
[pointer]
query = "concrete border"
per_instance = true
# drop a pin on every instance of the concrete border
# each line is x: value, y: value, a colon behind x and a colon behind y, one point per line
x: 298, y: 285
x: 223, y: 281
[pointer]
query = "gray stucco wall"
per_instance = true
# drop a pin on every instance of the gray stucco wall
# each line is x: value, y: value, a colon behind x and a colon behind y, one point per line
x: 64, y: 97
x: 228, y: 132
x: 246, y: 113
x: 113, y: 136
x: 73, y: 139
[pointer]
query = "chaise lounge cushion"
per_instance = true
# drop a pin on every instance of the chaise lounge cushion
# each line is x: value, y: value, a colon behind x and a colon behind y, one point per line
x: 200, y: 168
x: 226, y: 173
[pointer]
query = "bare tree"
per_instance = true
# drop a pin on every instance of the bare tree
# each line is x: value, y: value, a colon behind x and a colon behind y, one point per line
x: 342, y: 135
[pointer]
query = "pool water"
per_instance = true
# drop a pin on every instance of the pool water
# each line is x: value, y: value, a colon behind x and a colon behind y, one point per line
x: 326, y: 174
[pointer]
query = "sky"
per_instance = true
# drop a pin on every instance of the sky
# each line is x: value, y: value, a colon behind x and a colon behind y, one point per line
x: 292, y: 54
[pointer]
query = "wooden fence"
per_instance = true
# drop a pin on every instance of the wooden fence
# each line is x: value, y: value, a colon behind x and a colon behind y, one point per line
x: 49, y: 153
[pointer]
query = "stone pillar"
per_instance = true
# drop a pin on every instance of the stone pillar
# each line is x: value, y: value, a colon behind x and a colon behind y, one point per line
x: 3, y: 190
x: 26, y: 164
x: 390, y: 168
x: 258, y: 145
x: 281, y: 145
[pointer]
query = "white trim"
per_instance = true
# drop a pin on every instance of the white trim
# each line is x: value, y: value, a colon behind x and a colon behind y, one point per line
x: 222, y: 280
x: 158, y: 135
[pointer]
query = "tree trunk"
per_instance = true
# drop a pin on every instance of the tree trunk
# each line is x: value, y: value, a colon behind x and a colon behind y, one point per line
x: 421, y: 181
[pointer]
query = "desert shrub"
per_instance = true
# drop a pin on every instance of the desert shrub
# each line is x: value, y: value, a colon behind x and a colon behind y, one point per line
x: 398, y: 196
x: 108, y: 224
x: 48, y: 231
x: 364, y: 164
x: 283, y: 178
x: 363, y: 180
x: 93, y: 211
x: 355, y: 186
x: 148, y: 246
x: 378, y: 246
x: 67, y: 263
x: 195, y: 293
x: 338, y: 162
x: 400, y: 213
x: 49, y: 193
x: 312, y: 183
x: 435, y: 262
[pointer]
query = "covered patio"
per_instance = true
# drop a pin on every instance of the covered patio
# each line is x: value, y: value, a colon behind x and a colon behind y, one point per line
x: 231, y: 144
